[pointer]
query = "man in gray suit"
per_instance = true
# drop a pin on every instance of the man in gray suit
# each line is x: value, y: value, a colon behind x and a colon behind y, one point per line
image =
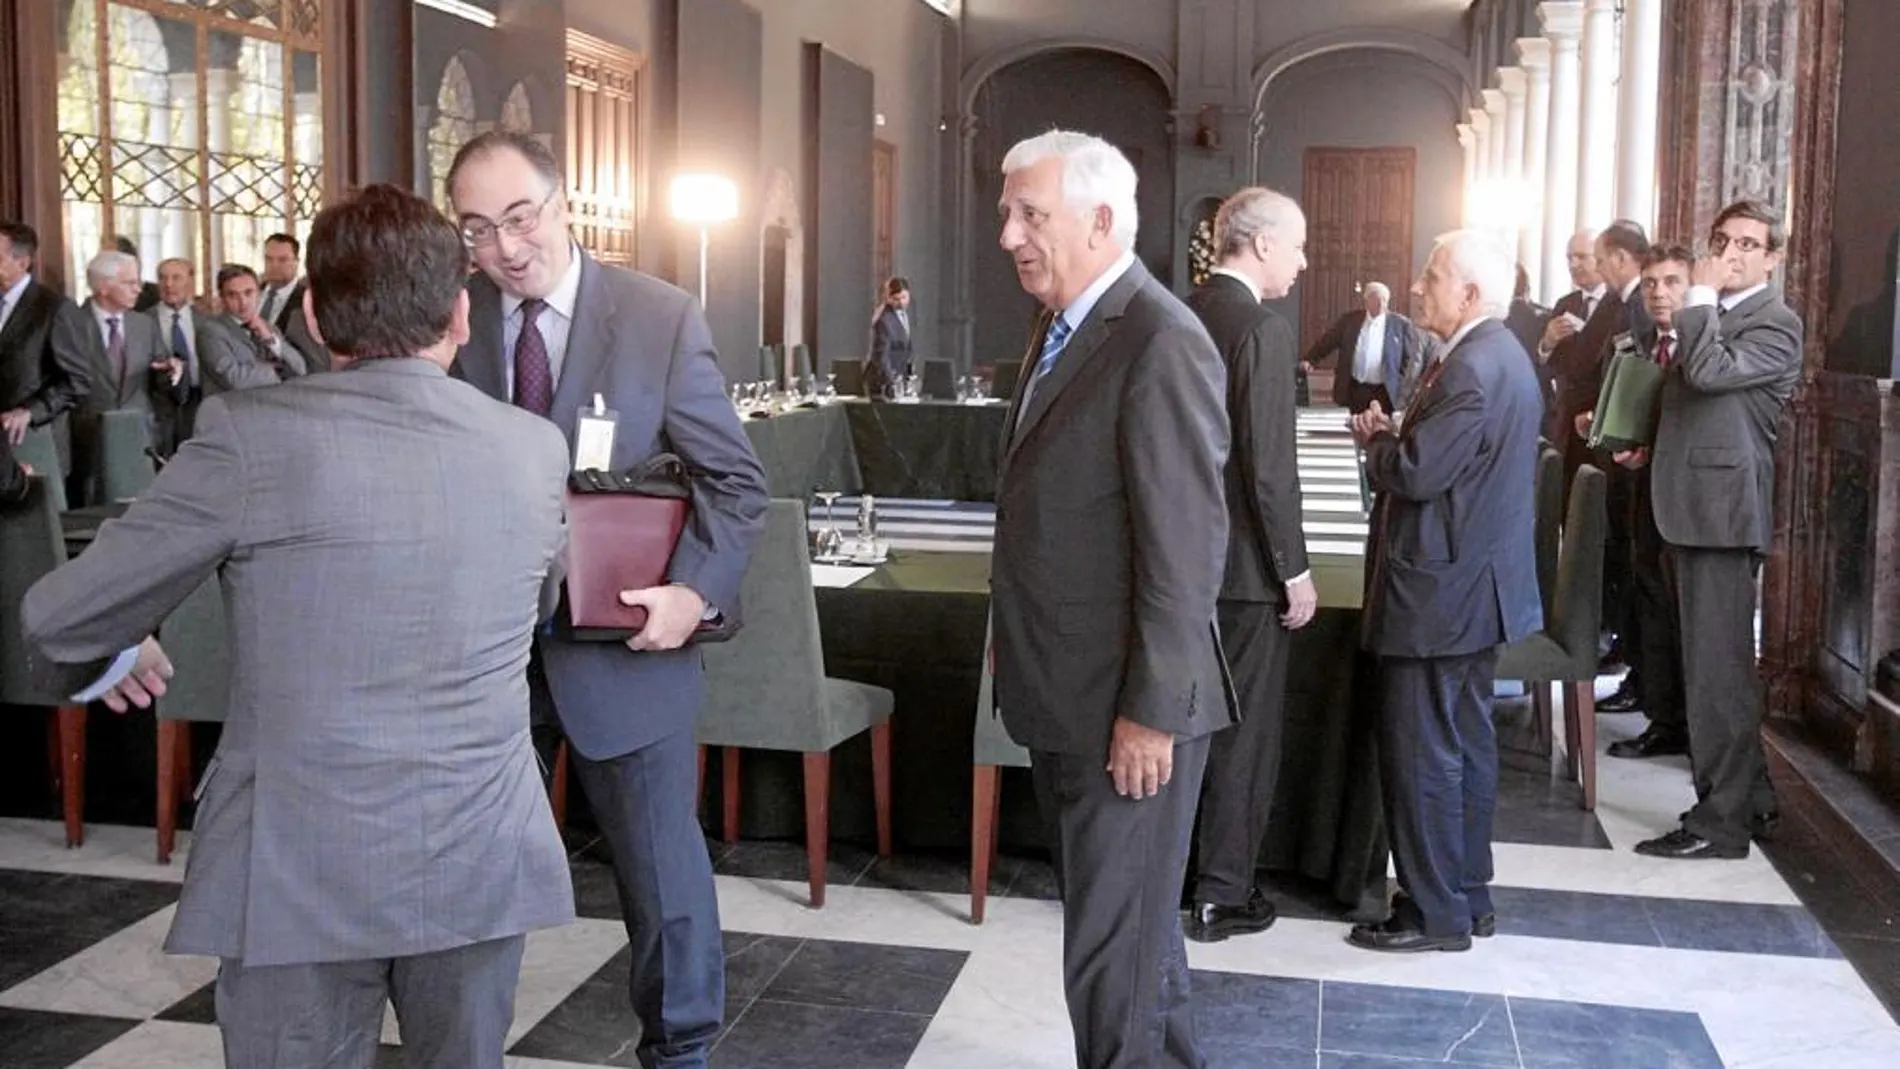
x: 1714, y: 486
x: 124, y: 360
x: 1453, y: 577
x: 213, y: 358
x: 551, y: 330
x: 1111, y: 538
x: 241, y: 295
x: 373, y: 826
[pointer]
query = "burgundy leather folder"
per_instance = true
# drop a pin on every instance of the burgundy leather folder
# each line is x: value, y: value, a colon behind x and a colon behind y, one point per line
x: 616, y: 542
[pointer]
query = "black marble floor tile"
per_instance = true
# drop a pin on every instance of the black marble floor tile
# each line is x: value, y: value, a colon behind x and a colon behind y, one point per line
x: 1576, y: 915
x: 1536, y: 809
x: 1573, y: 1035
x: 867, y: 976
x: 787, y: 1035
x: 199, y: 1007
x: 752, y: 963
x: 1032, y: 878
x: 1742, y: 928
x: 46, y: 918
x: 1256, y: 1020
x: 30, y: 1039
x: 594, y: 893
x: 844, y: 863
x: 1447, y: 1027
x: 932, y: 873
x: 1302, y: 898
x: 1330, y: 1060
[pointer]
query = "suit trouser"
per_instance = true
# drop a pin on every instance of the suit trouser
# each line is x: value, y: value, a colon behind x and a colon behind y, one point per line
x: 1619, y: 617
x: 454, y: 1008
x: 645, y: 803
x: 1360, y: 395
x: 1243, y: 761
x: 1654, y: 608
x: 1438, y: 753
x: 1715, y: 600
x: 1119, y: 864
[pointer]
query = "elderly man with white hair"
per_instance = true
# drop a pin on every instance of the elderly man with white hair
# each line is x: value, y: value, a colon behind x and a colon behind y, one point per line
x: 1375, y: 346
x: 1111, y: 537
x: 1453, y: 577
x: 124, y: 360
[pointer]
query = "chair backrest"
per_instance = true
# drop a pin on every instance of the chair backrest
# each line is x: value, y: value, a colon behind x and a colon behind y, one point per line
x: 125, y: 469
x: 939, y: 380
x: 199, y: 644
x: 1550, y: 516
x: 41, y: 453
x: 765, y: 688
x: 991, y: 744
x: 1577, y: 609
x: 849, y: 376
x: 1003, y: 384
x: 801, y: 360
x: 771, y: 366
x: 31, y: 545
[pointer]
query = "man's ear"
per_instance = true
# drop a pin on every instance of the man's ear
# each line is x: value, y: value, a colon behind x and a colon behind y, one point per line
x: 458, y: 319
x: 310, y: 316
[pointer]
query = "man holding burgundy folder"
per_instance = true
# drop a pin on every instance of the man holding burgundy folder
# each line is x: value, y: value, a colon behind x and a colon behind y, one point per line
x: 551, y: 330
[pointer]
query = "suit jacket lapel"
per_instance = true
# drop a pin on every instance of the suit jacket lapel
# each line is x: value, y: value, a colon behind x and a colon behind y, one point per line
x: 1080, y: 349
x: 590, y: 340
x: 17, y: 317
x: 482, y: 360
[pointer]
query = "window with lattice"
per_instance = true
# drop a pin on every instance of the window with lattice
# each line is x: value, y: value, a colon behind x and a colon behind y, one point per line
x: 454, y: 124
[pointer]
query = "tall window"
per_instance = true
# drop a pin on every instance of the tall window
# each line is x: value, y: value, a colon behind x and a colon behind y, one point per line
x: 192, y: 127
x: 454, y: 124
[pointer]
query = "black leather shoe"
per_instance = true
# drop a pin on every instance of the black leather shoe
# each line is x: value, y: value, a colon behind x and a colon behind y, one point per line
x: 1623, y: 701
x: 1484, y: 925
x: 1653, y: 742
x: 1209, y: 923
x: 1685, y: 845
x: 1392, y: 938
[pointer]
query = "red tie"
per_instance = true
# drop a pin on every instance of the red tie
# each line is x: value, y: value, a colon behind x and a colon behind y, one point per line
x: 1664, y: 346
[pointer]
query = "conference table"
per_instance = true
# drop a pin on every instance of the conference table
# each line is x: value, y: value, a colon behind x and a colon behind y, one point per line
x: 906, y: 449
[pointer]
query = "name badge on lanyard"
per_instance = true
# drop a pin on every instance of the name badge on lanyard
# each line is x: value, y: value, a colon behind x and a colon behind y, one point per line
x: 594, y: 437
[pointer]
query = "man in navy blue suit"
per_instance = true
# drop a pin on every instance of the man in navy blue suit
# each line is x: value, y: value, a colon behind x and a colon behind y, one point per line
x: 551, y: 329
x: 1454, y: 576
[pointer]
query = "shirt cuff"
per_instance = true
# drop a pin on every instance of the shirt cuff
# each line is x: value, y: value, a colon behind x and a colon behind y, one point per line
x: 120, y: 668
x: 1700, y: 296
x: 1300, y: 578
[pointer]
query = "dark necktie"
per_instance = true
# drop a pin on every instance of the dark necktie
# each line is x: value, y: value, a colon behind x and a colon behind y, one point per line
x: 1665, y: 349
x: 180, y: 348
x: 115, y: 355
x: 270, y: 305
x: 534, y: 376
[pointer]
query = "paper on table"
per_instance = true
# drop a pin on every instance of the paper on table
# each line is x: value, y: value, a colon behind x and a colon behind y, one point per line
x: 837, y: 575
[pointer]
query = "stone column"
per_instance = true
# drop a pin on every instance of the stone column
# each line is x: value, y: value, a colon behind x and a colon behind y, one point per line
x: 1534, y: 54
x: 1481, y: 130
x: 1596, y: 175
x: 1637, y: 98
x: 1494, y: 107
x: 1468, y: 140
x: 1516, y: 198
x: 1563, y: 26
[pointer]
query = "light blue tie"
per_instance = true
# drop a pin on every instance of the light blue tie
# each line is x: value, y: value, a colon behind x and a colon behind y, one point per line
x: 1052, y: 343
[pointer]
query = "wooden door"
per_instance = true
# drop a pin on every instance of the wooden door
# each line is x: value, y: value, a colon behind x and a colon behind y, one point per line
x: 605, y: 153
x: 1358, y: 229
x: 883, y: 210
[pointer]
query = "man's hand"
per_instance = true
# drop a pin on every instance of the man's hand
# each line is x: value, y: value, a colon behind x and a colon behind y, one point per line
x: 15, y: 423
x: 1370, y: 423
x: 1559, y: 328
x: 26, y: 469
x: 171, y: 367
x: 1711, y: 271
x: 673, y: 614
x: 1583, y: 421
x: 1140, y: 759
x: 144, y: 683
x: 1633, y: 459
x: 1306, y: 368
x: 1302, y: 601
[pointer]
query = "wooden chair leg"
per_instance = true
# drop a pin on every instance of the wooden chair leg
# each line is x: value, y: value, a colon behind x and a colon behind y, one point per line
x: 985, y: 787
x: 72, y: 752
x: 729, y: 791
x: 1586, y: 701
x: 169, y: 773
x: 817, y: 821
x: 557, y: 789
x: 881, y: 784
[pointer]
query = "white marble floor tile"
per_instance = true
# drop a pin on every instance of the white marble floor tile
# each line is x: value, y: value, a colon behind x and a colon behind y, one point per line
x: 124, y: 975
x: 110, y: 850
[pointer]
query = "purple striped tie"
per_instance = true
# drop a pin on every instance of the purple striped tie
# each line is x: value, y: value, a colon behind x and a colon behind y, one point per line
x: 534, y: 378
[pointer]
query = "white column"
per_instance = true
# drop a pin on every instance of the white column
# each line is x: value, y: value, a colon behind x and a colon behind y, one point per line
x: 1637, y: 102
x: 1468, y: 140
x: 1518, y: 214
x: 1481, y: 130
x: 1596, y: 177
x: 1534, y: 54
x: 1563, y: 26
x: 1494, y: 140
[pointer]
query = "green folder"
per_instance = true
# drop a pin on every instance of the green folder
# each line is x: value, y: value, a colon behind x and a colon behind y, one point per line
x: 1627, y: 405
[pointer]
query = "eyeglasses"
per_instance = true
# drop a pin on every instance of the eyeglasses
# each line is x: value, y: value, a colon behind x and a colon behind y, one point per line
x: 1719, y: 243
x: 521, y: 222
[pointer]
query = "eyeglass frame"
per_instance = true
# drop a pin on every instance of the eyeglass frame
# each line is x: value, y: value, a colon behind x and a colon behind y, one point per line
x: 1719, y: 243
x: 512, y: 224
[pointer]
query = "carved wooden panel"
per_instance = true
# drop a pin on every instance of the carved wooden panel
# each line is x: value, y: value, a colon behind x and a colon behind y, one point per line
x: 883, y: 210
x: 606, y: 170
x: 1359, y: 229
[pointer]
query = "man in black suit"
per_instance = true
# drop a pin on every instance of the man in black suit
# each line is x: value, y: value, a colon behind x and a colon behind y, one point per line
x: 281, y: 302
x: 43, y: 371
x: 1267, y: 591
x: 13, y: 475
x: 890, y: 340
x: 1714, y: 482
x: 1111, y: 533
x: 1454, y: 576
x: 1568, y: 317
x: 1374, y: 345
x: 1527, y: 321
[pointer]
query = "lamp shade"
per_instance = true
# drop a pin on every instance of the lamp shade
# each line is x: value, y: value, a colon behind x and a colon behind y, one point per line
x: 704, y: 198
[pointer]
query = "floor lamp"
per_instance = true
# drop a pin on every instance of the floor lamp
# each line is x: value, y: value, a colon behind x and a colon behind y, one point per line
x: 701, y: 200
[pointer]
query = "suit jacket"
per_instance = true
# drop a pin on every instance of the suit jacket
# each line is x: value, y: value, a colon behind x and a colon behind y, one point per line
x: 1713, y: 468
x: 1111, y: 531
x: 43, y: 366
x: 295, y: 328
x: 1578, y: 362
x: 890, y: 346
x: 120, y: 388
x: 13, y: 479
x: 642, y: 345
x: 1454, y: 561
x: 1403, y: 346
x: 1266, y: 545
x: 375, y: 793
x: 223, y: 361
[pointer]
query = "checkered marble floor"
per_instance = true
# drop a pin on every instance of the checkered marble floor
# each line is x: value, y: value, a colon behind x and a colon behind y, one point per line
x: 1604, y: 960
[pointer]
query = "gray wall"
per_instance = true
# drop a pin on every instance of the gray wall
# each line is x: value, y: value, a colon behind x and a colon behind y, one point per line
x: 838, y: 190
x: 1366, y: 100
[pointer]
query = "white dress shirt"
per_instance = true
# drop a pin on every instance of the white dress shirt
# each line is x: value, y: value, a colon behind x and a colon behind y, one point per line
x: 11, y: 299
x: 1368, y: 358
x: 1702, y: 296
x: 1242, y: 279
x: 556, y: 321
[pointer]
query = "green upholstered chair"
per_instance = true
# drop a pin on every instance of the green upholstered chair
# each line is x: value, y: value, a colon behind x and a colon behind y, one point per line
x: 771, y: 365
x: 848, y: 376
x: 198, y: 642
x: 766, y: 689
x: 1565, y: 651
x: 801, y: 360
x: 1550, y: 521
x: 991, y: 750
x: 40, y: 453
x: 125, y: 468
x: 938, y: 380
x: 31, y: 545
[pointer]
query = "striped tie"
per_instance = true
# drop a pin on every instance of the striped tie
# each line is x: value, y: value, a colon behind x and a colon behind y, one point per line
x: 1052, y: 343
